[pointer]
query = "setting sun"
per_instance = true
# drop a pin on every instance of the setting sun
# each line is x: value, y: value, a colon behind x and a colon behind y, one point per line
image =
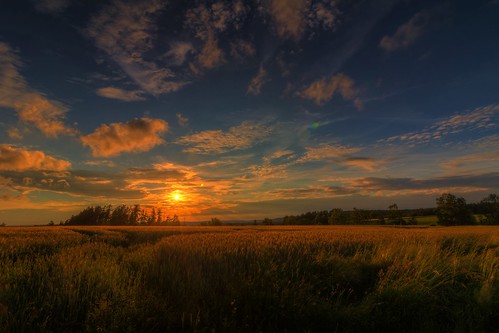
x: 176, y: 196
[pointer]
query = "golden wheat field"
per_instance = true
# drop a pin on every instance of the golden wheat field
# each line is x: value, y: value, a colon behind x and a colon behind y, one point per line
x: 249, y: 279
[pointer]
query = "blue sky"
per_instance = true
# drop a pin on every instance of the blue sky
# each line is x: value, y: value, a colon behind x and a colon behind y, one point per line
x: 245, y: 109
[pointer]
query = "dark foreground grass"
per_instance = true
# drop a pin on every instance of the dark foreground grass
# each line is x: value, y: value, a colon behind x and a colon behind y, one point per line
x: 276, y: 279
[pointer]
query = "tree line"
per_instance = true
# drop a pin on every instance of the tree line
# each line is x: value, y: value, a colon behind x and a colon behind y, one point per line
x: 449, y: 210
x: 122, y: 215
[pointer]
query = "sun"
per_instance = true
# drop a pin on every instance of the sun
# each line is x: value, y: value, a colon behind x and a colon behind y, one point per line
x: 176, y: 197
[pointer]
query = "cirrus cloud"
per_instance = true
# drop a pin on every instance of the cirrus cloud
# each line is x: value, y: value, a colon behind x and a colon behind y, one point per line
x: 243, y: 136
x: 137, y: 135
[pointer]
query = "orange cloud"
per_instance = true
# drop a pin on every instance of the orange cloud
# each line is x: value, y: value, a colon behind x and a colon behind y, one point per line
x: 323, y: 90
x: 367, y: 164
x: 13, y: 159
x: 327, y: 152
x: 137, y: 135
x: 216, y: 141
x: 124, y: 30
x: 293, y: 17
x: 32, y: 106
x: 121, y: 94
x: 258, y: 81
x: 211, y: 56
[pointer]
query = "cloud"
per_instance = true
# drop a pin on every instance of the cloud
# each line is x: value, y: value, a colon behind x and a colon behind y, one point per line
x: 241, y: 49
x: 32, y: 107
x: 481, y: 118
x: 322, y: 90
x: 436, y: 185
x: 14, y: 133
x: 238, y: 137
x: 121, y: 94
x: 182, y: 120
x: 15, y: 159
x: 407, y: 33
x: 292, y: 18
x: 326, y: 152
x: 478, y: 161
x: 135, y: 136
x: 207, y: 21
x: 257, y: 82
x: 365, y: 163
x: 53, y: 7
x: 179, y: 51
x: 81, y: 183
x: 124, y: 30
x: 211, y: 56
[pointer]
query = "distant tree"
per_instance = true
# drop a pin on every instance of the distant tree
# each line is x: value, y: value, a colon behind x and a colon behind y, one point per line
x: 490, y: 207
x: 337, y: 216
x: 358, y: 216
x: 2, y: 224
x: 452, y: 210
x: 267, y: 221
x: 394, y: 215
x: 120, y: 215
x: 159, y: 217
x: 214, y: 221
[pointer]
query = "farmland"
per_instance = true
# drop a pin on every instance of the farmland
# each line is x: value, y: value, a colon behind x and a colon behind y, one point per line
x: 249, y: 279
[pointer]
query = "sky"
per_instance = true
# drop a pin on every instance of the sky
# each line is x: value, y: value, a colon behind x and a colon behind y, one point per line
x: 242, y: 110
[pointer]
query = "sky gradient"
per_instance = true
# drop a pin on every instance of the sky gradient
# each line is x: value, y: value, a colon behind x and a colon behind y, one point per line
x: 245, y: 109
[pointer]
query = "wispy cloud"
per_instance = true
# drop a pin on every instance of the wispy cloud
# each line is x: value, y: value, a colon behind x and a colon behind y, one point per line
x: 257, y: 82
x: 182, y: 120
x: 327, y: 152
x: 407, y: 186
x: 241, y: 50
x: 138, y: 135
x: 124, y: 30
x: 238, y: 137
x: 209, y: 20
x: 53, y: 7
x: 481, y: 118
x: 31, y: 105
x: 364, y: 163
x: 407, y: 33
x: 473, y: 162
x: 18, y: 159
x: 121, y: 94
x: 321, y: 91
x: 179, y: 51
x: 291, y: 18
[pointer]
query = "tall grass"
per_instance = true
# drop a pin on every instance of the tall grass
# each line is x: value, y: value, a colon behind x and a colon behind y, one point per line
x: 251, y: 279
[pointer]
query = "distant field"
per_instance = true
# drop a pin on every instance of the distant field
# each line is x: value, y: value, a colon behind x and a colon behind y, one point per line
x: 427, y: 220
x: 249, y: 279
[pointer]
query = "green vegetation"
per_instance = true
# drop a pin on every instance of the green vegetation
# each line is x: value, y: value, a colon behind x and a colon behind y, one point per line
x: 249, y: 279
